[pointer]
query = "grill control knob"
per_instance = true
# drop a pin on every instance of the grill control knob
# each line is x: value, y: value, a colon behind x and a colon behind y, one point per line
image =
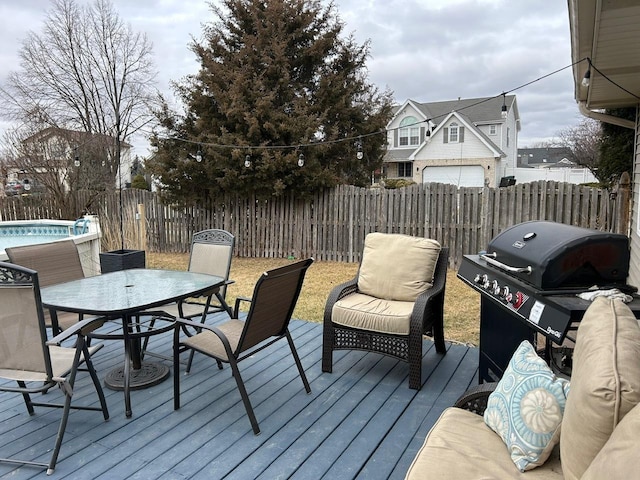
x: 495, y: 287
x: 485, y: 281
x: 505, y: 292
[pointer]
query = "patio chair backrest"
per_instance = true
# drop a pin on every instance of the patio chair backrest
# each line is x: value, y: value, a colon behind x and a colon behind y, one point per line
x: 211, y: 253
x: 55, y: 262
x: 274, y: 299
x: 23, y: 333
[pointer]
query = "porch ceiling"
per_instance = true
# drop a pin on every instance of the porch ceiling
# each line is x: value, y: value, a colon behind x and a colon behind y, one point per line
x: 606, y: 31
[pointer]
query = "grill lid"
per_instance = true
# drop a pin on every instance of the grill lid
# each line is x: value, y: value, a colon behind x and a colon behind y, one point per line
x: 561, y: 256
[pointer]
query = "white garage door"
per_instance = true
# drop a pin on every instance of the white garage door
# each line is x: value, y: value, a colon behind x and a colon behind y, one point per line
x: 464, y: 176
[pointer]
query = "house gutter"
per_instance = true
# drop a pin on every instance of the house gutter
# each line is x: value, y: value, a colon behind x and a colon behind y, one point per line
x: 603, y: 117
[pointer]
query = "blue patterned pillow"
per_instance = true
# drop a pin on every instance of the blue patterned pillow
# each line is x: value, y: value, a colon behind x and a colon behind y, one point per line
x: 526, y: 408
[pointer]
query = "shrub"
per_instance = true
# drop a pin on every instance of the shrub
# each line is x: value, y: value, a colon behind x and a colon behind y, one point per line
x: 392, y: 183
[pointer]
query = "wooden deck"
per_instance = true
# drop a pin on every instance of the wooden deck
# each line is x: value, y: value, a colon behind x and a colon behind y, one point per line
x: 361, y: 421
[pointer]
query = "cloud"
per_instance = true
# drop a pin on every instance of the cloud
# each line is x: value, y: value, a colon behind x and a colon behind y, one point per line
x: 426, y: 50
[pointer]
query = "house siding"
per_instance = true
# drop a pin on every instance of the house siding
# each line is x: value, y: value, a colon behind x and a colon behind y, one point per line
x: 634, y: 234
x: 471, y: 147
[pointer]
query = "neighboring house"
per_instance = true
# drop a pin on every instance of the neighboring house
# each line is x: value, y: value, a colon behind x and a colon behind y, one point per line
x: 52, y: 148
x: 465, y: 142
x: 550, y: 163
x: 607, y: 34
x: 546, y: 157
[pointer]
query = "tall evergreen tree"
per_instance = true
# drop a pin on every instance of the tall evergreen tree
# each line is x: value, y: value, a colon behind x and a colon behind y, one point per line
x: 278, y: 79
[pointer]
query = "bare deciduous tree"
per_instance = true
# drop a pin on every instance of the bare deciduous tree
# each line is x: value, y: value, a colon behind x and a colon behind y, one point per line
x: 86, y: 71
x: 584, y: 142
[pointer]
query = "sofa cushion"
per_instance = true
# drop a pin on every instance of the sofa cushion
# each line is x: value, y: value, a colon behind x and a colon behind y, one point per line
x: 461, y: 446
x: 397, y: 267
x: 605, y: 382
x: 619, y: 457
x: 526, y: 408
x: 369, y: 313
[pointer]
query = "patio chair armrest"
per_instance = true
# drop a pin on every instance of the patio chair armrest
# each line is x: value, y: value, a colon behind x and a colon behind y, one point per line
x: 236, y: 308
x: 475, y: 399
x: 203, y: 326
x: 429, y: 305
x: 79, y: 328
x: 338, y: 292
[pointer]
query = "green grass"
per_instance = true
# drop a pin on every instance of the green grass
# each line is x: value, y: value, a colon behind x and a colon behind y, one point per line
x: 461, y: 306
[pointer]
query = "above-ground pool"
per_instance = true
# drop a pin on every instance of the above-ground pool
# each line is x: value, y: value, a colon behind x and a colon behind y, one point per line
x: 85, y: 233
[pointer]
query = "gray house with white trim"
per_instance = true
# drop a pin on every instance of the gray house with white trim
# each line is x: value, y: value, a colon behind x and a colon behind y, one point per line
x: 465, y: 142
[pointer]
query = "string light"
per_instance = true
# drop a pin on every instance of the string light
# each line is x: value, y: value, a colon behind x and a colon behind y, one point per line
x: 247, y: 161
x: 359, y: 153
x: 199, y: 156
x: 504, y: 112
x: 586, y: 80
x: 301, y: 160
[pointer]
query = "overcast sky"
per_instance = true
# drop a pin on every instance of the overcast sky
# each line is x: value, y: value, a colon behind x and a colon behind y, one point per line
x: 425, y: 50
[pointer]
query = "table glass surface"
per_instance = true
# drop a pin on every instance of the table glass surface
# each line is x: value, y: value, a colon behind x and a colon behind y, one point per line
x: 126, y: 291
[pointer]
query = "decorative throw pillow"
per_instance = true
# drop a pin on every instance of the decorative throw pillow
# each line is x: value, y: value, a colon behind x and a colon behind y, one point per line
x: 526, y: 408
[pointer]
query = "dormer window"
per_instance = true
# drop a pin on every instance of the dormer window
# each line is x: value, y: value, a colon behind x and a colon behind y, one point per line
x: 454, y: 133
x: 409, y: 133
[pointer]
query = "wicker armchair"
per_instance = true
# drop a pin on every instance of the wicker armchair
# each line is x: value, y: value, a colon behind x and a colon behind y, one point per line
x: 426, y: 317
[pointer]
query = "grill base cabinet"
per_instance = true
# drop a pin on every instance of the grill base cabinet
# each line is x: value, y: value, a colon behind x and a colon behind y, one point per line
x: 500, y: 335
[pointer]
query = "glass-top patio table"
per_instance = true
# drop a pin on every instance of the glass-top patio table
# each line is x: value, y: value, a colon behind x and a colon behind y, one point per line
x: 125, y: 295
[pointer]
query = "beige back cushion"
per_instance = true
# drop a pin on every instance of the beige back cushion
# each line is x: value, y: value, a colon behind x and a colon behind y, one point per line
x: 619, y: 457
x: 605, y: 382
x: 397, y: 267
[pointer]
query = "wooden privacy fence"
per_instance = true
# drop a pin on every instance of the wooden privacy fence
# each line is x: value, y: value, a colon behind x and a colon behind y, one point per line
x: 331, y: 225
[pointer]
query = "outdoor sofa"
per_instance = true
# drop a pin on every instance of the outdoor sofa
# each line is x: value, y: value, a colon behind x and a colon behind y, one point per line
x: 598, y: 432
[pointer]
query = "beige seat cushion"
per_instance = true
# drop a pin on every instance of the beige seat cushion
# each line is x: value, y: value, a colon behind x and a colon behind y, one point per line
x: 461, y: 446
x: 210, y: 344
x: 605, y: 382
x: 397, y: 267
x: 619, y: 458
x: 369, y: 313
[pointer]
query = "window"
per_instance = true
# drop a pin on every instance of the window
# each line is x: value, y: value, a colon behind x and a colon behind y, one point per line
x: 492, y: 130
x: 453, y: 133
x: 404, y: 169
x: 409, y: 132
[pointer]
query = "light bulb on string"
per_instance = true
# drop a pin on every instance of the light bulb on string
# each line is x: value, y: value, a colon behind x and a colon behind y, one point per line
x: 199, y: 156
x: 247, y: 160
x: 359, y: 153
x: 586, y: 80
x: 504, y: 106
x: 301, y: 160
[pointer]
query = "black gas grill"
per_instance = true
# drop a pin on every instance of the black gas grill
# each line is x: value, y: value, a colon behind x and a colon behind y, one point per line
x: 528, y: 280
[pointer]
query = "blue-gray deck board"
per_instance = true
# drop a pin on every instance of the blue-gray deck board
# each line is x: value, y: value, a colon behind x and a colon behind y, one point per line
x: 361, y: 421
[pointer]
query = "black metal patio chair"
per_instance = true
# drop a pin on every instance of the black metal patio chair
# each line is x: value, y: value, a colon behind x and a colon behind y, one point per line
x: 55, y: 262
x: 271, y: 306
x: 35, y: 364
x: 211, y: 253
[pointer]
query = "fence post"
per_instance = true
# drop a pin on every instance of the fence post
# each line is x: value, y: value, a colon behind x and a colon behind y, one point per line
x: 142, y: 227
x: 622, y: 200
